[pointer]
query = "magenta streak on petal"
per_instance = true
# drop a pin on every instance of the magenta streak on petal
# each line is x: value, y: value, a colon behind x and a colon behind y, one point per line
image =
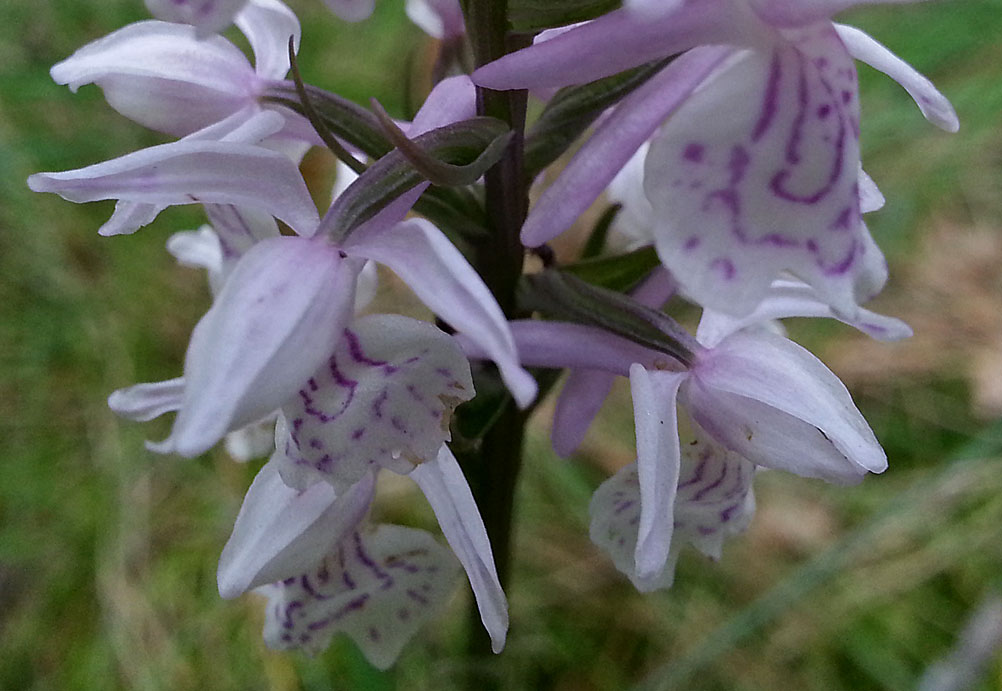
x: 341, y: 381
x: 353, y: 606
x: 701, y: 494
x: 366, y: 560
x: 697, y: 475
x: 355, y: 348
x: 304, y: 581
x: 770, y: 101
x: 694, y: 152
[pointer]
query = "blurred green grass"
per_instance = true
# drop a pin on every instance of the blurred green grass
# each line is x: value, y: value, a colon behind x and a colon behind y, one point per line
x: 107, y: 552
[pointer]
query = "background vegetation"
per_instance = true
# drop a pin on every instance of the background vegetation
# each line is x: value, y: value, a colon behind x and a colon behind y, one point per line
x: 108, y: 553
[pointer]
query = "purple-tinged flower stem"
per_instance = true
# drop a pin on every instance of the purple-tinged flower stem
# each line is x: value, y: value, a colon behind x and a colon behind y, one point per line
x: 493, y: 470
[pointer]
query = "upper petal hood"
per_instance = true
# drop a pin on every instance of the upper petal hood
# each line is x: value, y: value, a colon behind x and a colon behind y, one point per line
x: 208, y: 16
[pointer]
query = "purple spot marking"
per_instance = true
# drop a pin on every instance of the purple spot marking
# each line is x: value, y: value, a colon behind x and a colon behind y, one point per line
x: 374, y: 635
x: 824, y: 111
x: 712, y: 486
x: 357, y: 354
x: 403, y: 614
x: 416, y: 596
x: 377, y: 405
x: 728, y: 513
x: 697, y: 475
x: 357, y: 434
x: 693, y: 152
x: 304, y: 581
x: 725, y: 267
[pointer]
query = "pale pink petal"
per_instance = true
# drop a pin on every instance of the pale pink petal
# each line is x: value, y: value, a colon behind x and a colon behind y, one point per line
x: 579, y: 402
x: 614, y: 143
x: 615, y: 42
x: 161, y: 76
x: 199, y: 249
x: 870, y: 196
x: 351, y: 10
x: 934, y: 105
x: 128, y: 217
x: 441, y: 19
x: 796, y: 299
x: 282, y: 533
x: 253, y: 441
x: 427, y: 261
x: 658, y: 454
x: 268, y: 331
x: 268, y: 25
x: 382, y: 399
x: 774, y: 403
x: 380, y: 586
x: 757, y: 174
x: 208, y: 16
x: 447, y: 491
x: 142, y: 402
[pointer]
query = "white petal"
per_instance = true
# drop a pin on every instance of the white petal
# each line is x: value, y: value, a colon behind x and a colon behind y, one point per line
x: 379, y: 587
x: 255, y: 440
x: 654, y: 395
x: 270, y: 328
x: 777, y: 405
x: 424, y: 258
x: 870, y: 196
x: 445, y: 486
x: 142, y: 402
x: 934, y: 105
x: 757, y: 174
x: 281, y: 532
x: 198, y: 249
x: 382, y: 399
x: 161, y: 76
x: 268, y: 25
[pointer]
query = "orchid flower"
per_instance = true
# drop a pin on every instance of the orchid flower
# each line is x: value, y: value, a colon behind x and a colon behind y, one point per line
x: 167, y: 77
x: 326, y: 570
x: 740, y: 194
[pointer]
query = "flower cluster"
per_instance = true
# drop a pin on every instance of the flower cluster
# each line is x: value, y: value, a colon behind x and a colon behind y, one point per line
x: 734, y: 152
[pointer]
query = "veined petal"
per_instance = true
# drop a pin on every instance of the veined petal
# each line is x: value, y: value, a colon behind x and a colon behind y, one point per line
x: 774, y: 403
x: 142, y: 402
x: 615, y: 42
x: 447, y: 491
x: 268, y: 331
x: 796, y: 299
x: 743, y: 193
x: 208, y: 16
x: 161, y: 76
x: 658, y: 457
x: 934, y: 105
x: 614, y: 143
x: 268, y: 25
x: 351, y: 10
x: 424, y: 258
x: 282, y: 533
x: 188, y: 172
x: 382, y: 399
x: 128, y: 217
x: 580, y: 400
x: 239, y: 228
x: 379, y: 587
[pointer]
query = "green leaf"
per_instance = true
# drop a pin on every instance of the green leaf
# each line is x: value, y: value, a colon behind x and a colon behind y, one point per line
x: 573, y: 109
x: 470, y: 146
x: 563, y: 296
x: 536, y: 15
x: 618, y: 273
x: 596, y: 239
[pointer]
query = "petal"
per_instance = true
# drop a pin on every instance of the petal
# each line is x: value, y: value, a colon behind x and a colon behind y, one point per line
x: 163, y: 77
x: 129, y: 217
x: 635, y: 219
x: 796, y: 299
x: 379, y: 587
x: 656, y: 421
x: 351, y: 10
x: 580, y: 400
x: 186, y: 172
x: 934, y: 105
x: 870, y: 197
x: 447, y: 491
x: 198, y: 249
x: 614, y: 143
x: 268, y: 25
x: 774, y: 403
x: 383, y: 399
x: 615, y: 517
x: 208, y: 16
x: 256, y: 440
x: 783, y: 13
x: 424, y: 258
x: 652, y: 8
x: 239, y: 228
x: 742, y: 193
x: 268, y: 331
x: 142, y: 402
x: 442, y: 19
x: 612, y: 43
x: 281, y: 532
x: 714, y: 499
